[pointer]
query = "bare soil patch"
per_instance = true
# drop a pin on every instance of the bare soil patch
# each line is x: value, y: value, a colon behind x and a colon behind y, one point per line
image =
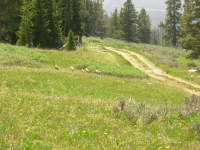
x: 155, y: 72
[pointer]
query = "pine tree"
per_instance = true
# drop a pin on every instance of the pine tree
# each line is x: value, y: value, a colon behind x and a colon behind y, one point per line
x: 74, y: 14
x: 9, y: 19
x: 105, y: 26
x: 70, y: 46
x: 172, y: 22
x: 77, y: 21
x: 191, y: 27
x: 25, y: 33
x: 100, y: 27
x: 128, y: 22
x: 73, y: 18
x: 186, y: 25
x: 87, y: 18
x: 154, y: 37
x: 94, y: 19
x: 54, y: 37
x: 66, y: 15
x: 196, y: 35
x: 40, y: 30
x: 144, y: 27
x: 1, y: 13
x: 114, y: 28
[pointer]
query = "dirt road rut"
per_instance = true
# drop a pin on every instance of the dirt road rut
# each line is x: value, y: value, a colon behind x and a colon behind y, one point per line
x: 140, y: 62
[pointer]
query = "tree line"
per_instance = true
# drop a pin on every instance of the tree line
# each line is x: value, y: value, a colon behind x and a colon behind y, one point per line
x: 182, y: 25
x: 42, y: 23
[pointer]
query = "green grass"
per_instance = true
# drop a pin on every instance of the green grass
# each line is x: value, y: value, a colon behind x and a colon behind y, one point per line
x: 20, y: 56
x: 42, y: 108
x: 188, y: 62
x: 86, y: 85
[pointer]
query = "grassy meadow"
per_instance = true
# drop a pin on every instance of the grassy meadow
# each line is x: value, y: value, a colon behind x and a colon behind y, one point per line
x: 174, y: 61
x: 45, y: 108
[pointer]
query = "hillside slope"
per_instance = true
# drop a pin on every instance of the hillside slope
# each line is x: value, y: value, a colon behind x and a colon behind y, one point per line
x: 45, y: 108
x: 155, y: 72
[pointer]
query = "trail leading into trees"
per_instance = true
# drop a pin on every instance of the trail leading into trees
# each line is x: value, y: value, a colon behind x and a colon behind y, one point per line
x: 138, y: 61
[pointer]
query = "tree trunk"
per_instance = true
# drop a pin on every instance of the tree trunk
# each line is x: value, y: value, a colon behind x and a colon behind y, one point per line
x: 0, y: 20
x: 174, y: 30
x: 174, y: 27
x: 80, y: 40
x: 0, y: 31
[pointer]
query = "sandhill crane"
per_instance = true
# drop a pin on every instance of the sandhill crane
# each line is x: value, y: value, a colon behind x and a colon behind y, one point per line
x: 192, y: 70
x: 55, y: 66
x: 83, y: 70
x: 97, y: 71
x: 71, y: 67
x: 87, y: 70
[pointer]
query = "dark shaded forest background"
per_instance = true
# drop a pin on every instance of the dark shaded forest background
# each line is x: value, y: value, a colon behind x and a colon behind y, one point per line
x: 46, y: 24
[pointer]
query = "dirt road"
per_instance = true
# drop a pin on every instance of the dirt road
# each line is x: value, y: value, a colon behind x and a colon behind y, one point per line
x: 138, y: 61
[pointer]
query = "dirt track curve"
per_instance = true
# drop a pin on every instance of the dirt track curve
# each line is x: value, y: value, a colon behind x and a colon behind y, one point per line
x: 155, y: 72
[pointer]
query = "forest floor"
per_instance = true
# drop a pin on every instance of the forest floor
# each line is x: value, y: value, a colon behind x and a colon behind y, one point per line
x: 138, y: 61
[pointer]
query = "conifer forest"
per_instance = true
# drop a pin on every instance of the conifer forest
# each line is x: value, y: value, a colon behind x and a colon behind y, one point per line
x: 46, y: 24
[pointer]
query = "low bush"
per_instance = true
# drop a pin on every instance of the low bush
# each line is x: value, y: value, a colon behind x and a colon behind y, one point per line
x: 140, y: 112
x: 195, y: 128
x: 192, y: 105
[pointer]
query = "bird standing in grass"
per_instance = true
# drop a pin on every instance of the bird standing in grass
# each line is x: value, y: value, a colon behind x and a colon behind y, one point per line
x: 71, y: 67
x: 87, y: 70
x: 55, y: 66
x: 83, y: 70
x: 97, y: 71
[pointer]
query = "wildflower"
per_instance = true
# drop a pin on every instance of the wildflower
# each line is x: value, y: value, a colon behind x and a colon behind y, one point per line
x: 167, y: 115
x: 167, y: 147
x: 83, y: 131
x: 27, y: 130
x: 139, y: 122
x: 160, y: 147
x: 147, y: 122
x: 71, y: 115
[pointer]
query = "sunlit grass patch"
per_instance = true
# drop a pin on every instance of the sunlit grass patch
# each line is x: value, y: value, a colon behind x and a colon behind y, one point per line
x: 188, y: 63
x: 114, y: 70
x: 87, y: 85
x: 44, y: 108
x: 39, y: 122
x: 20, y: 56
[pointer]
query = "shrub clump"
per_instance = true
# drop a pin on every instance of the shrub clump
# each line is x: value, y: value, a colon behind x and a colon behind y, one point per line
x: 139, y: 112
x: 195, y: 128
x: 192, y: 105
